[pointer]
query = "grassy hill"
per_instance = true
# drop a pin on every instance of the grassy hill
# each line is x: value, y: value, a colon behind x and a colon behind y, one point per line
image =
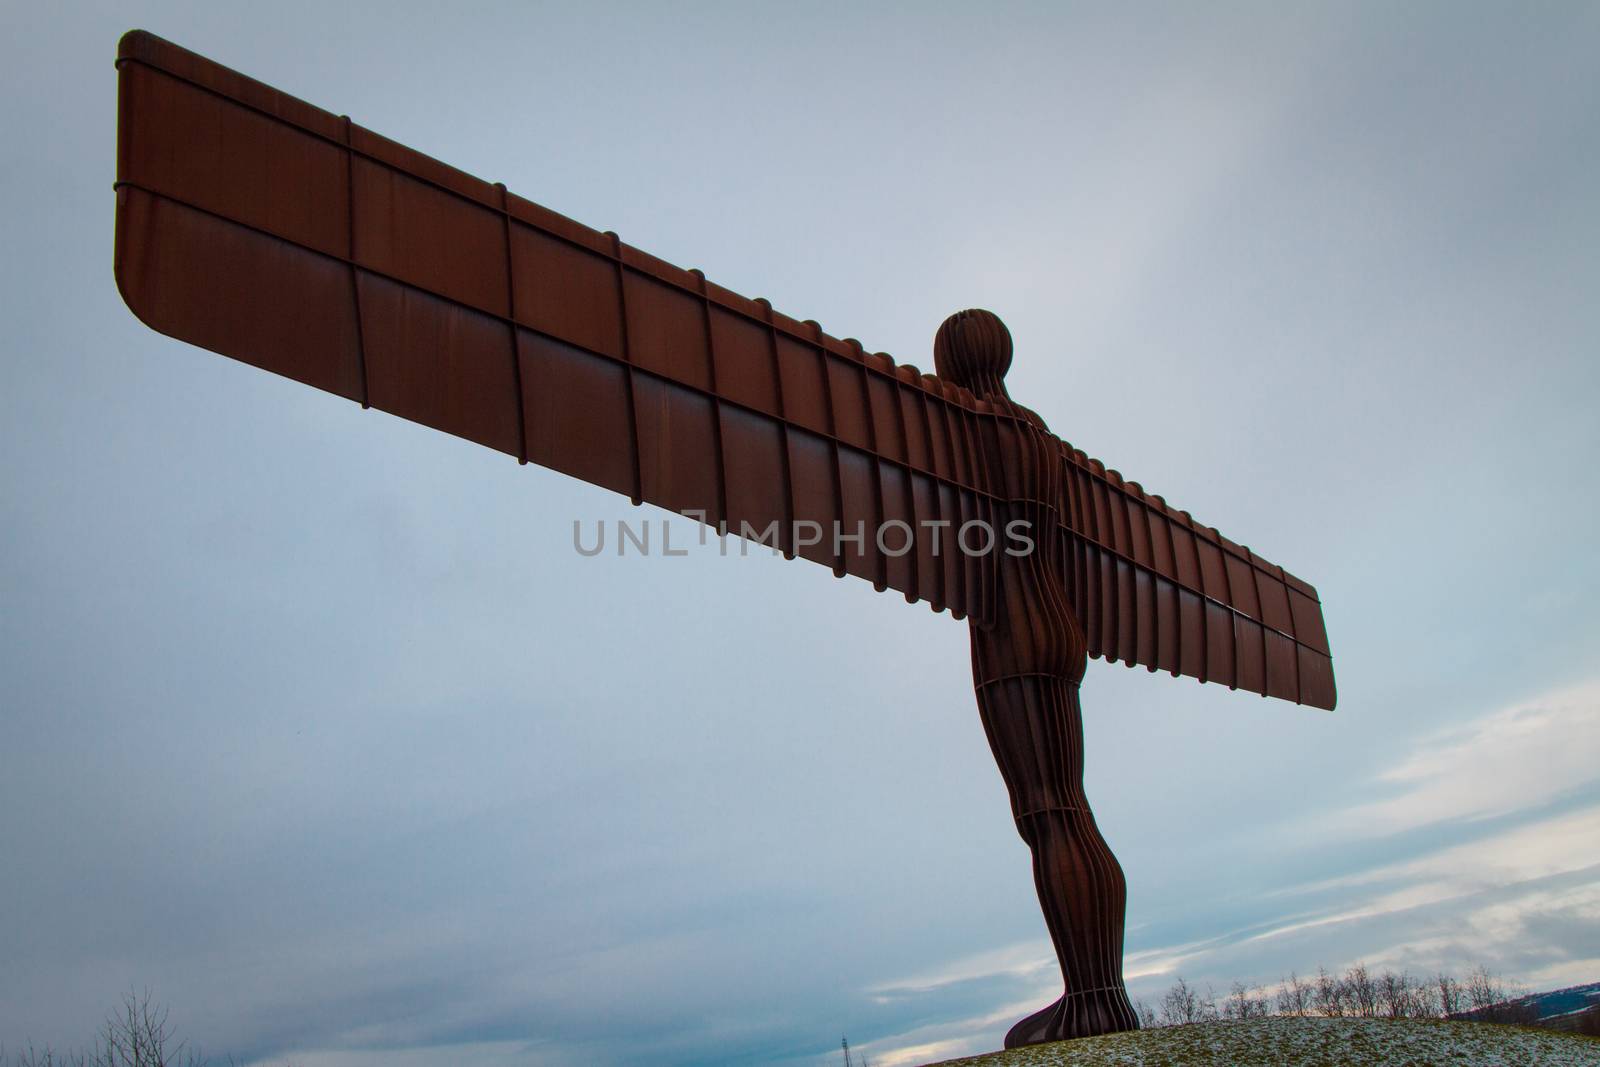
x: 1310, y: 1042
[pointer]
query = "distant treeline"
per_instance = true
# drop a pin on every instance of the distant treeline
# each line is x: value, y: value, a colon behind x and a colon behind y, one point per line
x: 1480, y: 997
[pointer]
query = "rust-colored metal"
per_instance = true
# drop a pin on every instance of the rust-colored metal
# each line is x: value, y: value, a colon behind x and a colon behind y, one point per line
x: 263, y: 228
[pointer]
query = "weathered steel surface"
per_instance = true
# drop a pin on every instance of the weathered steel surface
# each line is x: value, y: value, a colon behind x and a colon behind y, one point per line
x: 260, y: 227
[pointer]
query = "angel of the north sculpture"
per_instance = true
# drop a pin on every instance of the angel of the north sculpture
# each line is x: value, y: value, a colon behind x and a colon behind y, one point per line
x: 258, y: 226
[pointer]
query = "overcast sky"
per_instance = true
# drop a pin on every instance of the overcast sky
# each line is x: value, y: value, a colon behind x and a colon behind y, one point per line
x: 313, y: 722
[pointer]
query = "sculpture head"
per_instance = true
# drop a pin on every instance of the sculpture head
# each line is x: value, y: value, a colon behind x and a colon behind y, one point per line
x: 973, y: 350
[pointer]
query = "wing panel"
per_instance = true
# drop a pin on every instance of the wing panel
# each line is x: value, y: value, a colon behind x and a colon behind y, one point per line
x: 677, y: 446
x: 435, y: 362
x: 754, y: 461
x: 883, y: 392
x: 229, y: 289
x: 1316, y: 678
x: 1249, y: 655
x: 746, y: 372
x: 1192, y: 638
x: 1221, y: 666
x: 576, y: 412
x: 1308, y: 626
x: 931, y: 585
x: 666, y: 331
x: 896, y: 534
x: 847, y: 389
x: 859, y: 485
x: 565, y: 290
x: 429, y: 238
x: 238, y: 163
x: 816, y: 496
x: 1144, y: 617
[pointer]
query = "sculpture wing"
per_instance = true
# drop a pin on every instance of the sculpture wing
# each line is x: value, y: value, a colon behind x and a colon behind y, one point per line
x: 1152, y: 586
x: 258, y: 226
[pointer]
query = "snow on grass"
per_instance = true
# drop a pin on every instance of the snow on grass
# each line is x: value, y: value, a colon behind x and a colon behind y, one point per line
x: 1311, y: 1042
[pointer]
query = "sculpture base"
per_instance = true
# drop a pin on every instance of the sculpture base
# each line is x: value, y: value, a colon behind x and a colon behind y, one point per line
x: 1086, y: 1014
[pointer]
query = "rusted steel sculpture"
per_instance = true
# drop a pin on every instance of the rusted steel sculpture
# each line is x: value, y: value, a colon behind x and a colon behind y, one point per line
x: 257, y: 226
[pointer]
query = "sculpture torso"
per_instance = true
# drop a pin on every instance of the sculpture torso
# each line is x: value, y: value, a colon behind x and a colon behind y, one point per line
x: 1034, y: 630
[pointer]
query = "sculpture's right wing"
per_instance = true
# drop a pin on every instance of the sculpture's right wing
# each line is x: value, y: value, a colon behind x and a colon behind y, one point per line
x: 255, y: 225
x: 1151, y: 586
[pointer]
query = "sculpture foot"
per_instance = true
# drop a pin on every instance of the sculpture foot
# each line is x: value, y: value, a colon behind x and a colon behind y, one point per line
x: 1100, y: 1011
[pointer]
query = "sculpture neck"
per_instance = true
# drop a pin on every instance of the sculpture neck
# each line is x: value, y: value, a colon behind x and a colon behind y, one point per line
x: 988, y: 387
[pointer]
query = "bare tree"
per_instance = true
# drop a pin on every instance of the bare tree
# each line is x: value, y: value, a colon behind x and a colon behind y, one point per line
x: 1237, y: 1006
x: 1245, y: 1003
x: 1147, y: 1015
x: 1449, y: 991
x: 140, y: 1036
x: 1424, y: 1002
x: 1328, y: 996
x: 1294, y: 996
x: 1394, y: 995
x: 1483, y: 991
x: 1360, y: 991
x: 1182, y: 1004
x: 1489, y: 999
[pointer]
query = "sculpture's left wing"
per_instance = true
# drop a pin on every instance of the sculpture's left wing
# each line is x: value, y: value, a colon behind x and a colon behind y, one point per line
x: 1153, y: 587
x: 259, y: 226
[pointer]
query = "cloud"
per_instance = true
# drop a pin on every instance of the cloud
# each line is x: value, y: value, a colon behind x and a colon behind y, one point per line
x: 1513, y: 759
x: 1021, y: 960
x: 1565, y: 846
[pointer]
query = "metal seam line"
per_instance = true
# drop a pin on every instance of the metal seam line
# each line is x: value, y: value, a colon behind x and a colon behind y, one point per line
x: 628, y: 371
x: 516, y: 338
x: 716, y: 403
x: 786, y: 536
x: 880, y: 560
x: 350, y: 234
x: 834, y: 445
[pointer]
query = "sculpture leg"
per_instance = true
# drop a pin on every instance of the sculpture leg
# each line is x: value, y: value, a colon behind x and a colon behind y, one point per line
x: 1035, y: 728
